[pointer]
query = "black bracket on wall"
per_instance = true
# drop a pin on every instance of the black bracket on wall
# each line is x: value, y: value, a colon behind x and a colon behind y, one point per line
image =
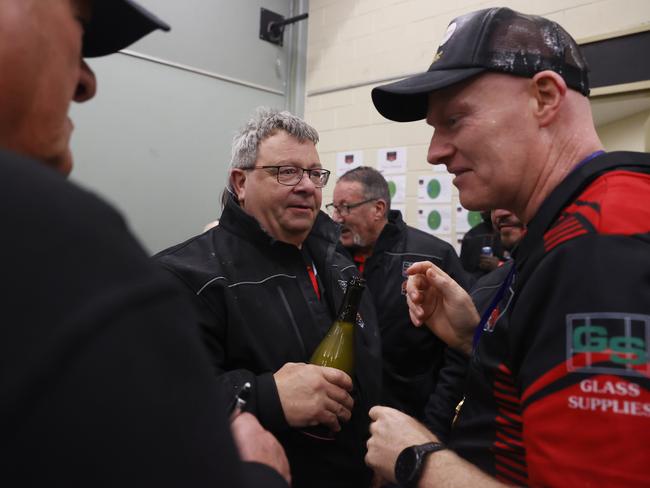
x: 272, y: 25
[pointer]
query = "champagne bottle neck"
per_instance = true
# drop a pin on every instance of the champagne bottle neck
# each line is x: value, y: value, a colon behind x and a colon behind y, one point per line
x: 351, y: 300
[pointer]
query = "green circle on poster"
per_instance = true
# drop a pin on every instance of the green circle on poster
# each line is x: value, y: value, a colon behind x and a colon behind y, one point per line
x: 392, y: 189
x: 433, y: 188
x: 474, y: 218
x: 434, y: 220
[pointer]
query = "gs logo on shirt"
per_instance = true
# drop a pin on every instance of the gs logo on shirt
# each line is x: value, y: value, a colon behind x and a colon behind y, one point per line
x: 608, y: 343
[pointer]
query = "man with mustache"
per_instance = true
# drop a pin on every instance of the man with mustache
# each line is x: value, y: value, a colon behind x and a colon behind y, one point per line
x: 267, y: 282
x: 568, y: 368
x: 383, y: 247
x: 103, y: 379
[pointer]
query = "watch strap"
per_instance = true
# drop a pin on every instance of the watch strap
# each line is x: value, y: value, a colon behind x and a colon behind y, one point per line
x: 410, y: 480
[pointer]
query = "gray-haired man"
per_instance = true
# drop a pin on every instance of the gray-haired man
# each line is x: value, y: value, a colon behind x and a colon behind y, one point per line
x: 267, y: 283
x: 415, y: 361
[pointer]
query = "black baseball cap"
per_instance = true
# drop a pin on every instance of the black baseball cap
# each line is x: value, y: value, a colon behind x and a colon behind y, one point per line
x: 116, y: 24
x: 496, y: 39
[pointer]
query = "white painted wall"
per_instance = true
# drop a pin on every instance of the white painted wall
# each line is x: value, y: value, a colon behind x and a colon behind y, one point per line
x: 627, y: 134
x: 156, y: 139
x: 360, y: 42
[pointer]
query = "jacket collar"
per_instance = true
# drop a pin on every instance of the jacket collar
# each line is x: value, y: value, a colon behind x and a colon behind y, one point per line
x: 391, y: 233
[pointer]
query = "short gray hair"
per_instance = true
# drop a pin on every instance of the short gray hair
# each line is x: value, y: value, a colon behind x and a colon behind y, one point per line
x: 373, y: 183
x: 265, y: 123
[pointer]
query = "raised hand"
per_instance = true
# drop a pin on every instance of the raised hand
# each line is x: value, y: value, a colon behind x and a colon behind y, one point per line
x: 436, y: 300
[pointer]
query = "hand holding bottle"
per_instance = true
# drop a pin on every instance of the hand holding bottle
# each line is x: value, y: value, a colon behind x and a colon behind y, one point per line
x: 312, y: 395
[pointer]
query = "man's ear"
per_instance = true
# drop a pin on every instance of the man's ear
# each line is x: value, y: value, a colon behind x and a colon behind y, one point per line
x: 238, y: 183
x: 380, y: 209
x: 548, y: 93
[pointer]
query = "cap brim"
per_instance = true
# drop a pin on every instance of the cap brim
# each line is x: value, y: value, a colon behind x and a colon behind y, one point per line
x: 407, y: 100
x: 115, y: 25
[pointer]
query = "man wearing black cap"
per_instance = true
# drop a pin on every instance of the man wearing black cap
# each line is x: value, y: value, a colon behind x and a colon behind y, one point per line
x: 102, y: 382
x: 568, y: 401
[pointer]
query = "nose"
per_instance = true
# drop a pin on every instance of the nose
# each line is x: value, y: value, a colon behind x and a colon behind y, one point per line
x: 86, y: 85
x: 305, y: 184
x: 440, y: 150
x: 336, y: 217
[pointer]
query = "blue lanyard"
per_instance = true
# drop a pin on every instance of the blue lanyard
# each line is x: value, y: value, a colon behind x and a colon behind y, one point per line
x: 588, y: 158
x: 493, y: 304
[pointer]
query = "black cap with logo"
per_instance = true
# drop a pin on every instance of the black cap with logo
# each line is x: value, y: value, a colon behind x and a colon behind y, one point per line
x: 116, y: 24
x: 496, y: 39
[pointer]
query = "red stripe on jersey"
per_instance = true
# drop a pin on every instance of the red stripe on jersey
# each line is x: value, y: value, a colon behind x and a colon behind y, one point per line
x: 506, y: 475
x: 508, y: 398
x: 504, y: 369
x: 507, y: 387
x: 506, y: 461
x: 508, y: 436
x: 513, y: 433
x: 615, y: 203
x: 576, y: 362
x: 513, y: 440
x: 568, y: 224
x: 571, y: 229
x: 508, y: 419
x: 582, y: 436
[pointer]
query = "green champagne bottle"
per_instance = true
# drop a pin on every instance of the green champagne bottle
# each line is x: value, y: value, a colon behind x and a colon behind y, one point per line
x: 337, y: 347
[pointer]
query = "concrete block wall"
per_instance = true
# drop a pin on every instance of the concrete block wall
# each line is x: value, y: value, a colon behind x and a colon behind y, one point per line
x: 355, y: 45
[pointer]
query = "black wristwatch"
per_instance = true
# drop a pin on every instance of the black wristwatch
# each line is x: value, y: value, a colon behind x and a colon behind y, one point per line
x: 408, y: 467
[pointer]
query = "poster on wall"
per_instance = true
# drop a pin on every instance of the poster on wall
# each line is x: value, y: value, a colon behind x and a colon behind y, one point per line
x: 396, y: 188
x: 391, y: 160
x: 466, y: 219
x: 434, y: 188
x: 347, y: 160
x: 434, y: 219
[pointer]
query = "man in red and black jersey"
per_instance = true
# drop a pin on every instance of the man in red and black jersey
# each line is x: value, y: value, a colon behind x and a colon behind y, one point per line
x: 568, y: 367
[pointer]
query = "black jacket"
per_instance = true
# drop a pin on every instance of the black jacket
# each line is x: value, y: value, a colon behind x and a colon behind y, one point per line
x: 102, y: 383
x: 412, y: 356
x: 259, y: 311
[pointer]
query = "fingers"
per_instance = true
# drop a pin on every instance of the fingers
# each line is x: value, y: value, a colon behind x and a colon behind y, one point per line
x: 337, y: 377
x: 377, y: 411
x: 312, y: 395
x: 419, y: 268
x: 416, y: 312
x: 245, y: 426
x: 332, y: 415
x: 257, y: 444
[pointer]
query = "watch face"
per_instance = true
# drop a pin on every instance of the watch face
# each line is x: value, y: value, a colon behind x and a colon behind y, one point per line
x: 406, y: 466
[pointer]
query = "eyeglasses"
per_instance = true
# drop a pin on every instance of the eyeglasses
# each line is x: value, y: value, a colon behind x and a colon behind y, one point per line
x: 345, y: 208
x: 292, y: 175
